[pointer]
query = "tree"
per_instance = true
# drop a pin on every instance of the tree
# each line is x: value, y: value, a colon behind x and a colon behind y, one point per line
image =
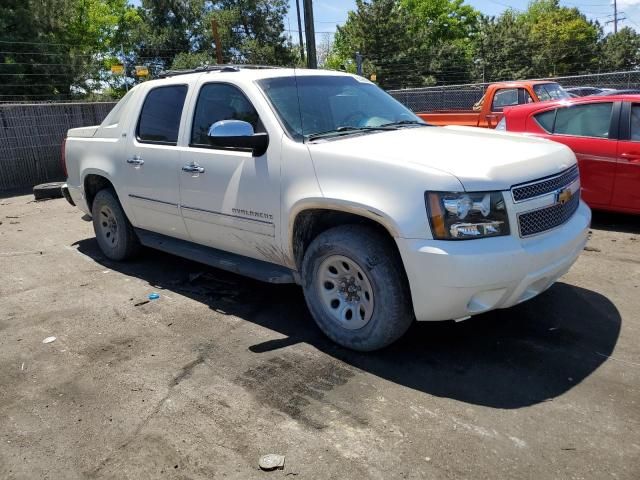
x: 378, y: 30
x: 621, y: 51
x: 58, y: 48
x: 502, y: 50
x: 251, y: 31
x: 545, y: 40
x: 408, y: 42
x: 564, y: 41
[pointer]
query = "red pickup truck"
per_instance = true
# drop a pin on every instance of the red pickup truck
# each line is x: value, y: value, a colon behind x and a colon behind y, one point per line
x: 488, y: 111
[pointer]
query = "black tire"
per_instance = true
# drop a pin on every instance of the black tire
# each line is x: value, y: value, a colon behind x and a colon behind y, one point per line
x: 48, y: 190
x: 114, y: 232
x: 371, y: 254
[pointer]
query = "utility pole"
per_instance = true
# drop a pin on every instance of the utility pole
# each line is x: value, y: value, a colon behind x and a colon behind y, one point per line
x: 616, y: 18
x: 310, y: 31
x: 300, y: 30
x: 216, y: 38
x: 124, y: 64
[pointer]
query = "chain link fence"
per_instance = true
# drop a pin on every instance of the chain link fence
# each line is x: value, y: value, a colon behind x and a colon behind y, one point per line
x: 31, y: 133
x: 463, y: 97
x: 31, y: 137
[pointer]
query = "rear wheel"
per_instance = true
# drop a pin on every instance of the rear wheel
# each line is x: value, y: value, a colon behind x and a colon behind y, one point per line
x: 114, y: 233
x: 355, y: 287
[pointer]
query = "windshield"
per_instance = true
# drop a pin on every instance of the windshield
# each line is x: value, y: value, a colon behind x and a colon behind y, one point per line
x: 312, y: 105
x: 550, y: 91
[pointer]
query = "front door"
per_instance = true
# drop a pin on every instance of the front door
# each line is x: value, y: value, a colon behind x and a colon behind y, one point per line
x: 230, y: 199
x: 150, y: 174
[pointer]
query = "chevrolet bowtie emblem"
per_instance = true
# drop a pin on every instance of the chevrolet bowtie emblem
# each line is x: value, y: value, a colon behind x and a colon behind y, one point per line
x: 564, y: 195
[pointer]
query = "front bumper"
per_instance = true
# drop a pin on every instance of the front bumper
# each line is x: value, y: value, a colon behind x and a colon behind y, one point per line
x: 457, y: 279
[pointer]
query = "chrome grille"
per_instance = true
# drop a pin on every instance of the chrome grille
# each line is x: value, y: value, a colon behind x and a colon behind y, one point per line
x: 544, y: 186
x: 546, y: 218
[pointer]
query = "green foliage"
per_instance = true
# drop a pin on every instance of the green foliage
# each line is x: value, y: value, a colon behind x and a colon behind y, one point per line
x: 621, y: 51
x: 407, y: 42
x: 251, y: 31
x: 184, y: 61
x: 545, y: 40
x: 411, y: 43
x: 59, y: 47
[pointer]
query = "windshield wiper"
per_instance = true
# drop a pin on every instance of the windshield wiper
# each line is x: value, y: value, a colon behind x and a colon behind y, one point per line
x: 405, y: 122
x: 347, y: 130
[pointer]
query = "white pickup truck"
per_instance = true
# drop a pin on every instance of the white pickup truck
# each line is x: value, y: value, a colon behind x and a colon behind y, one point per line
x: 322, y: 179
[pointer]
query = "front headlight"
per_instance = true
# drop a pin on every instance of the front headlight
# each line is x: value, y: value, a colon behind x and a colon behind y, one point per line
x: 463, y: 216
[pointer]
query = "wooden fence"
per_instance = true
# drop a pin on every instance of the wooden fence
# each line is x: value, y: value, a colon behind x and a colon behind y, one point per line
x: 31, y: 136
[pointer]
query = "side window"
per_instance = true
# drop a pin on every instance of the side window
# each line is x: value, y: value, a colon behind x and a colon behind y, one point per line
x: 527, y: 97
x: 505, y: 97
x: 588, y: 120
x: 635, y: 122
x: 220, y: 101
x: 546, y: 120
x: 159, y: 120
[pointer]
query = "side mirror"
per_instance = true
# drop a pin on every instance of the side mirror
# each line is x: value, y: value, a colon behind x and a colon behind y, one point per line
x: 238, y: 134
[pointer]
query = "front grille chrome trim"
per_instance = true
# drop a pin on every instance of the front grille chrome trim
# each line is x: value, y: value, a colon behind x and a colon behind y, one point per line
x: 542, y: 220
x: 544, y: 186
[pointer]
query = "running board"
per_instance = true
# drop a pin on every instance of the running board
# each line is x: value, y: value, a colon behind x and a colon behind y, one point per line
x: 231, y: 262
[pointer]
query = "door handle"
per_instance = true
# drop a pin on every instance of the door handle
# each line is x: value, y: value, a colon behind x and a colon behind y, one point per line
x: 193, y: 168
x: 135, y: 160
x: 633, y: 157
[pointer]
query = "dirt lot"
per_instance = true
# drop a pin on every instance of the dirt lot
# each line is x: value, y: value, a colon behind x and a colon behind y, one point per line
x: 221, y: 370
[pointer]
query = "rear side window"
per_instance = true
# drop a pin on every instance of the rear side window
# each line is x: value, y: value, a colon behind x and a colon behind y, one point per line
x: 220, y: 101
x: 159, y: 120
x: 546, y: 119
x: 588, y: 120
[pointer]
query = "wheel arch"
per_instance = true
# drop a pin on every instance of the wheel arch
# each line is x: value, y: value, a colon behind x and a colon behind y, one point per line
x: 92, y: 182
x: 309, y: 219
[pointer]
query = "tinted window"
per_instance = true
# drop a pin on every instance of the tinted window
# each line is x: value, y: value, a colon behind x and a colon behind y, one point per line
x: 160, y: 117
x: 505, y: 97
x: 219, y: 101
x: 590, y: 120
x: 546, y: 119
x: 635, y: 122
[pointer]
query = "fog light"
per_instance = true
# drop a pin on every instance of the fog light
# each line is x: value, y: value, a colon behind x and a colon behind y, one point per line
x: 470, y: 230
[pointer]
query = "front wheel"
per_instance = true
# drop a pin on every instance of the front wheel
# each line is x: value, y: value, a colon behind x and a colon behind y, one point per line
x: 355, y: 287
x: 114, y: 233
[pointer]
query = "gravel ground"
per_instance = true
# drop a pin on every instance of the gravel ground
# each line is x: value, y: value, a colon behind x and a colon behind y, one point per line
x: 221, y: 370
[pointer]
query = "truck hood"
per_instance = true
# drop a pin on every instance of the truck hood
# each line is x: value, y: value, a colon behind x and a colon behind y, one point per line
x: 481, y: 159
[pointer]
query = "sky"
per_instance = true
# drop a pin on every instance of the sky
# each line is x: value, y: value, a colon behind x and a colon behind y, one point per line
x: 329, y: 13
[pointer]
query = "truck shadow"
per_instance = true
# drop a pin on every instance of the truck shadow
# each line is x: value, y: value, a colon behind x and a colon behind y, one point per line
x: 505, y: 359
x: 615, y: 222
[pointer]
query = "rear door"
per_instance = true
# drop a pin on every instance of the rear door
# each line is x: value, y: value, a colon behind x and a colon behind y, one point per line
x: 626, y: 191
x: 150, y: 168
x: 590, y: 130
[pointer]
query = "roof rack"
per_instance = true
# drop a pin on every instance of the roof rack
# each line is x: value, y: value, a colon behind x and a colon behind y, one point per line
x: 213, y: 68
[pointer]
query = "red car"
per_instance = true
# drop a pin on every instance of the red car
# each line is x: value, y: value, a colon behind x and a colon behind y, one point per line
x: 603, y: 132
